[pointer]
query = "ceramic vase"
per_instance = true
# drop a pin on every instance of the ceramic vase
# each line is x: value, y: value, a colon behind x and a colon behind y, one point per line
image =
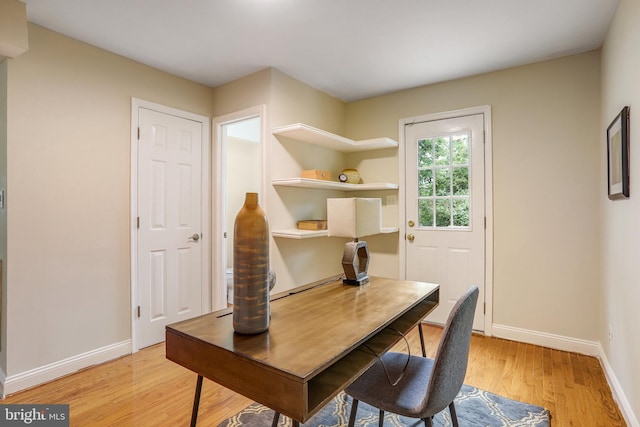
x: 251, y: 268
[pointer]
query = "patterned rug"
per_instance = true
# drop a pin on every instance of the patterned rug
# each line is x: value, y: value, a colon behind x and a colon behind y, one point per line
x: 474, y: 407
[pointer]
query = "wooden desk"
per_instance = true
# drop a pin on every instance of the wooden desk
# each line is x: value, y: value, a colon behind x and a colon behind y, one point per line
x: 318, y: 342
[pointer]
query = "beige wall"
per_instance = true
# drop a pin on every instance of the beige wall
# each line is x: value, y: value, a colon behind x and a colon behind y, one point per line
x: 243, y: 93
x: 3, y: 212
x: 546, y: 184
x: 289, y: 101
x: 621, y: 226
x: 297, y: 262
x: 68, y: 278
x: 69, y: 115
x: 14, y: 38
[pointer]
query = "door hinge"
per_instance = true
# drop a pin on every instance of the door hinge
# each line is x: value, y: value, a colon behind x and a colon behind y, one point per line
x: 484, y: 309
x: 138, y: 133
x: 138, y: 312
x: 138, y: 222
x: 485, y: 222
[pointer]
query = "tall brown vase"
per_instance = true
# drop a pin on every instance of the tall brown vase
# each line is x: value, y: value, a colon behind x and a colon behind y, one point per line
x: 251, y: 268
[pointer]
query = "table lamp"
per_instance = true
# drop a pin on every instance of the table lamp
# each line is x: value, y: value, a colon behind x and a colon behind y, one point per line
x: 354, y: 217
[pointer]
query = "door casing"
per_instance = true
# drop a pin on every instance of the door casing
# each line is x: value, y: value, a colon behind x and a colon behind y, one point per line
x: 488, y: 194
x: 205, y: 198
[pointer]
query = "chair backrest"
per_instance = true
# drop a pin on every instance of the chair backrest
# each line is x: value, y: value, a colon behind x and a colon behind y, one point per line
x: 450, y: 363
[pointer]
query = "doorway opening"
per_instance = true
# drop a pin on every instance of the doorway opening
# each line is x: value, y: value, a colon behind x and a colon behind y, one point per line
x: 239, y: 160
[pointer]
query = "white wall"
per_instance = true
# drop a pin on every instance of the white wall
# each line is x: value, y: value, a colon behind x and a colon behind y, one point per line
x: 621, y: 218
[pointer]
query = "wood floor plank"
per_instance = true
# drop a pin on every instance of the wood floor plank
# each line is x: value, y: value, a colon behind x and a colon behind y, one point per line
x: 548, y: 389
x: 145, y: 389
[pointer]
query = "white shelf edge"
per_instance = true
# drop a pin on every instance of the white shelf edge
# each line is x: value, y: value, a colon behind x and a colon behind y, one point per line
x: 309, y: 234
x: 388, y: 230
x: 332, y: 185
x: 311, y: 135
x: 299, y: 234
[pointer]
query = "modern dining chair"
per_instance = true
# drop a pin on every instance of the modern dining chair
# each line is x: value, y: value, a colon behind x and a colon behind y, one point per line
x: 427, y: 386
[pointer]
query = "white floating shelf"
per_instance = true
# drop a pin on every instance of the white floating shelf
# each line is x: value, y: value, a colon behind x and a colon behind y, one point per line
x: 309, y: 234
x: 311, y: 135
x: 331, y: 185
x: 299, y: 234
x: 387, y: 230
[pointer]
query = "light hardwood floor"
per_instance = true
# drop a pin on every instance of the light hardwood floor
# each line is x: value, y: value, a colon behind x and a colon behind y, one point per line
x: 145, y: 389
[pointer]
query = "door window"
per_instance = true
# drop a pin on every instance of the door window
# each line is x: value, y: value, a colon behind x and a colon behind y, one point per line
x: 443, y: 181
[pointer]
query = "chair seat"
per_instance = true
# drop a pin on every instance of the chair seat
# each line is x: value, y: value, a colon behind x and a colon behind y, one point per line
x: 407, y: 398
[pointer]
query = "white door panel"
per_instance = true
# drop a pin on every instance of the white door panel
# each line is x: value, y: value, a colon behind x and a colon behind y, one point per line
x: 170, y: 223
x: 444, y: 165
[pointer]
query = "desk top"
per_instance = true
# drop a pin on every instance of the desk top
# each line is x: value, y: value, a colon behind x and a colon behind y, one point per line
x: 314, y: 342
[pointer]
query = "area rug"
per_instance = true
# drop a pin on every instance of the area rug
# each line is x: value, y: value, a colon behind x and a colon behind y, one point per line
x: 474, y: 407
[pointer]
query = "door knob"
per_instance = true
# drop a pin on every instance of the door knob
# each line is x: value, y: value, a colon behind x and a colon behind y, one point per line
x: 411, y: 223
x: 194, y: 238
x: 410, y: 237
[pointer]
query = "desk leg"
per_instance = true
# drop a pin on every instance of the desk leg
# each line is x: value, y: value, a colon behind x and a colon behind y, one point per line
x: 424, y: 353
x: 196, y: 402
x: 276, y: 419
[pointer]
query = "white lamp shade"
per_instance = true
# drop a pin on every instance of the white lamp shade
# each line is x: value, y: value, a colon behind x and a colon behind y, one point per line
x: 354, y: 217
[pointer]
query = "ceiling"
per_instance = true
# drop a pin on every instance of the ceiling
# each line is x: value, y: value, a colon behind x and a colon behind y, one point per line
x: 351, y: 49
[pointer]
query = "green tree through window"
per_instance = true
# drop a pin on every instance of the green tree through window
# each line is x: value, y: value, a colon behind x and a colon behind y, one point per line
x: 443, y: 181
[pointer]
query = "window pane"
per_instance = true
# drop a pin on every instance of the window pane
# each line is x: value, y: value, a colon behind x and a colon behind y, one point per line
x: 425, y: 207
x: 460, y: 181
x: 443, y: 182
x: 461, y: 212
x: 425, y: 153
x: 443, y: 152
x: 443, y: 213
x: 425, y: 183
x: 460, y: 147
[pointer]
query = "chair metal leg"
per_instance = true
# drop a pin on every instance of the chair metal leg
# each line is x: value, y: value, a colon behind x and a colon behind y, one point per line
x: 424, y: 353
x: 352, y: 415
x: 454, y: 416
x: 381, y: 418
x: 428, y: 422
x: 196, y: 402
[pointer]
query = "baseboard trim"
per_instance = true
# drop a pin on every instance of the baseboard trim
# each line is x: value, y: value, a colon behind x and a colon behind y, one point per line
x: 618, y: 393
x: 557, y: 342
x: 37, y: 376
x: 590, y: 348
x: 3, y: 376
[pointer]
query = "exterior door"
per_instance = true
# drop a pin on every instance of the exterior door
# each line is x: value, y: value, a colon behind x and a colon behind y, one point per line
x: 170, y: 224
x: 445, y: 210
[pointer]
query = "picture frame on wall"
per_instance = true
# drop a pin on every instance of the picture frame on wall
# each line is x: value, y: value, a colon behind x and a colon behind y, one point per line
x: 618, y: 156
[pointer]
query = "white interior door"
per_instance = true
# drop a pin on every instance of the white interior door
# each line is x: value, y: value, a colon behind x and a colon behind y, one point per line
x: 170, y: 222
x: 445, y: 209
